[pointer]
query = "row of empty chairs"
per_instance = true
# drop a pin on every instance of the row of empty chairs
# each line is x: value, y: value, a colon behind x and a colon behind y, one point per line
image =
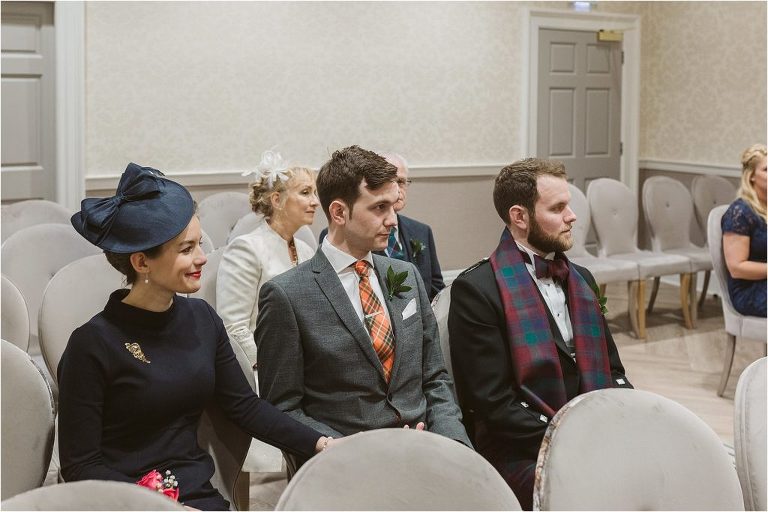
x: 611, y: 208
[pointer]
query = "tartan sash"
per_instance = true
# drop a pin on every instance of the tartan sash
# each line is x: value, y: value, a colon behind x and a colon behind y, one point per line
x: 535, y: 362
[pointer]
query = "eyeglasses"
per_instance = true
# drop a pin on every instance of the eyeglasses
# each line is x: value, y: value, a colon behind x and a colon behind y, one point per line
x: 404, y: 182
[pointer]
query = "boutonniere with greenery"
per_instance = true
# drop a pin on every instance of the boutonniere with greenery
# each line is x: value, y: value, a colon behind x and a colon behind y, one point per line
x: 601, y: 299
x: 395, y: 282
x: 417, y: 247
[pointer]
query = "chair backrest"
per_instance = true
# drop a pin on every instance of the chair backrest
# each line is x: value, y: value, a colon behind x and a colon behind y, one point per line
x: 60, y: 315
x: 624, y: 449
x: 749, y: 428
x: 91, y: 495
x: 441, y: 305
x: 23, y: 214
x: 28, y: 414
x: 91, y: 279
x: 206, y: 243
x: 397, y: 469
x: 226, y: 442
x: 33, y: 255
x: 708, y: 192
x: 220, y: 212
x: 305, y: 234
x: 614, y: 215
x: 580, y: 229
x: 715, y: 243
x: 15, y: 317
x: 245, y: 224
x: 207, y: 290
x: 251, y: 221
x: 668, y: 209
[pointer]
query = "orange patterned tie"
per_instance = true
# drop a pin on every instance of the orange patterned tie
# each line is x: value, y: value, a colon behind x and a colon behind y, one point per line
x: 376, y: 320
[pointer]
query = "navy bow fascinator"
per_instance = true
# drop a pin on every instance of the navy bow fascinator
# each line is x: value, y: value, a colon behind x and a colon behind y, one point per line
x: 147, y: 210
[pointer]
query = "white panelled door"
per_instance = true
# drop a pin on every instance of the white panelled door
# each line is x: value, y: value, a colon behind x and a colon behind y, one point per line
x: 28, y: 101
x: 579, y: 104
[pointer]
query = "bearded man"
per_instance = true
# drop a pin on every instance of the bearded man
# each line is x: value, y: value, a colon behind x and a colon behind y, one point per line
x: 526, y: 329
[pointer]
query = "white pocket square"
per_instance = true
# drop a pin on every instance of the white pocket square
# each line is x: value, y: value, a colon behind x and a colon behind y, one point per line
x: 410, y: 309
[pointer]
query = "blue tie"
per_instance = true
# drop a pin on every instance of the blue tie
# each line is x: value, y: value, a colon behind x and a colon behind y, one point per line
x: 393, y: 246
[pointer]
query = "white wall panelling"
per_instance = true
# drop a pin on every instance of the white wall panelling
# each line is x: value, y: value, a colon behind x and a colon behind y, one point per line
x: 70, y: 102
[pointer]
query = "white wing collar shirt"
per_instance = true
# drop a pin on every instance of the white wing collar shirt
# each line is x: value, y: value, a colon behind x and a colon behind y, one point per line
x: 554, y: 297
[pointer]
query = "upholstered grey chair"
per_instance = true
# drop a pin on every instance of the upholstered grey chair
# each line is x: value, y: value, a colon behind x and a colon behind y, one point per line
x: 17, y: 216
x: 668, y: 208
x: 708, y: 192
x: 245, y: 224
x: 441, y: 305
x: 736, y: 324
x: 91, y: 495
x: 33, y: 255
x: 614, y: 216
x: 605, y: 270
x: 28, y: 414
x: 207, y: 290
x: 749, y: 428
x: 624, y: 449
x: 90, y: 280
x: 206, y: 243
x: 250, y: 221
x: 94, y: 279
x: 220, y: 212
x: 397, y: 469
x: 14, y: 314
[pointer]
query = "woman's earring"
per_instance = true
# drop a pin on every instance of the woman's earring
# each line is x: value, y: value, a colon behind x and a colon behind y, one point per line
x: 146, y: 278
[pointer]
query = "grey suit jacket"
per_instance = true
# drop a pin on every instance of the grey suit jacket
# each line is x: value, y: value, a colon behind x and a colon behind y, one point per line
x: 317, y: 363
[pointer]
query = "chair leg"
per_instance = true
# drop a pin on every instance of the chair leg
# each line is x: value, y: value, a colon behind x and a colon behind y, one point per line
x: 632, y: 306
x: 636, y: 294
x: 685, y: 293
x: 641, y: 308
x: 654, y: 292
x: 704, y: 289
x: 730, y: 348
x: 692, y: 304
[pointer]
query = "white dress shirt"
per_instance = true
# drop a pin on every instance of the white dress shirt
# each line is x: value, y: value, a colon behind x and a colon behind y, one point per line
x: 248, y: 262
x: 341, y: 261
x: 554, y: 297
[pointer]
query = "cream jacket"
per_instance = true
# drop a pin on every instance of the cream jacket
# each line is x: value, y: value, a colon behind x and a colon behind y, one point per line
x: 248, y: 262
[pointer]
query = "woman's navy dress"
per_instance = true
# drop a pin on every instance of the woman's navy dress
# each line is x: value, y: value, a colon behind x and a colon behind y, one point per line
x: 747, y: 295
x: 132, y: 386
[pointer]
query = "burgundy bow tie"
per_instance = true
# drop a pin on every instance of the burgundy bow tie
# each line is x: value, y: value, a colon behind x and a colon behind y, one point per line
x: 556, y: 269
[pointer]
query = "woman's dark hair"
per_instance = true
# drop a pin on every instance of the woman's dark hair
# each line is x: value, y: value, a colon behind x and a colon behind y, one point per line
x: 122, y: 262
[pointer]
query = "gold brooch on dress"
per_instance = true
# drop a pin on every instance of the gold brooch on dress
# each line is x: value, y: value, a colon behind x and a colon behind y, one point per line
x: 136, y: 352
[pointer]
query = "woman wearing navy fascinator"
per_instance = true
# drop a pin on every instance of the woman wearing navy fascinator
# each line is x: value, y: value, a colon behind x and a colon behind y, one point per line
x: 134, y: 380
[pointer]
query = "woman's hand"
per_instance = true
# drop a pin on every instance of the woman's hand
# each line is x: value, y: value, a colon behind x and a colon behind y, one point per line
x: 323, y: 443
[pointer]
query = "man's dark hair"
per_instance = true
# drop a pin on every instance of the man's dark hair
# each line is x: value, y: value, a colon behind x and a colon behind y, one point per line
x: 341, y: 176
x: 516, y: 184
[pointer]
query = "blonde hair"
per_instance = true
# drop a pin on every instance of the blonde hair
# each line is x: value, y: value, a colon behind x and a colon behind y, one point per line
x: 261, y: 193
x: 750, y: 158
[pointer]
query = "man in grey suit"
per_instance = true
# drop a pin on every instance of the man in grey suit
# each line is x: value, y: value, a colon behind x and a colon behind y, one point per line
x: 347, y: 341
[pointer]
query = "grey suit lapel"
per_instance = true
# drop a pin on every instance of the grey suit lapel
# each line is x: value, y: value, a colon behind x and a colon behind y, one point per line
x: 331, y: 287
x: 394, y: 306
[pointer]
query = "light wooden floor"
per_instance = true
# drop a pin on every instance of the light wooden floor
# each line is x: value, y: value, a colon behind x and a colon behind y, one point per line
x: 682, y: 365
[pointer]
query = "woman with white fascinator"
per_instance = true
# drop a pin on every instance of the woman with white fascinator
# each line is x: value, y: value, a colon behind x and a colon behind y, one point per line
x: 287, y: 197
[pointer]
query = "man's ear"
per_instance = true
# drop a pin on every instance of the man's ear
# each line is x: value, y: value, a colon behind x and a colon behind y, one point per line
x: 518, y: 217
x: 139, y: 262
x: 338, y: 212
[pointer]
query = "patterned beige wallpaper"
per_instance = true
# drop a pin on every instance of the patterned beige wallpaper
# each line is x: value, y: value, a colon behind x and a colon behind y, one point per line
x: 703, y: 86
x: 201, y: 86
